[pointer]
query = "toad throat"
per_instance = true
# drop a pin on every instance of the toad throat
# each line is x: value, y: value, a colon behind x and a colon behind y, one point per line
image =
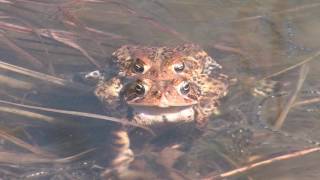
x: 161, y: 116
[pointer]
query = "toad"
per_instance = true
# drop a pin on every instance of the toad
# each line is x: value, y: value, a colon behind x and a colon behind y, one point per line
x: 158, y: 87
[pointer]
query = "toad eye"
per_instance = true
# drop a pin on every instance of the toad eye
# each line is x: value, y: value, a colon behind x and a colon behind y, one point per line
x: 93, y: 76
x: 185, y: 88
x: 139, y: 89
x: 179, y: 67
x: 138, y: 67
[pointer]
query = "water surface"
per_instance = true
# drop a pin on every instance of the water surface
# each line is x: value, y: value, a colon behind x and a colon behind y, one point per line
x: 253, y: 40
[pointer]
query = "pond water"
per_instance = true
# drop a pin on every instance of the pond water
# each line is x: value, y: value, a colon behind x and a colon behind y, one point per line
x: 269, y: 119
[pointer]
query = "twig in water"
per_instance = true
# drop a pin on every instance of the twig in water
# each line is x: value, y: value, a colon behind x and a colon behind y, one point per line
x: 82, y: 114
x: 42, y: 76
x: 290, y: 10
x: 34, y: 61
x: 313, y: 57
x: 306, y: 102
x: 265, y: 162
x: 30, y: 158
x: 24, y: 145
x: 303, y: 74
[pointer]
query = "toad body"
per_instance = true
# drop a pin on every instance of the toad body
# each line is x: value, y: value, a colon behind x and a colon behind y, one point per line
x: 158, y: 87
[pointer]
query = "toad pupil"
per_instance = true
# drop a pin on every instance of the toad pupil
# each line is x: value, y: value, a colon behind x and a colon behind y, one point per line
x: 185, y: 88
x: 139, y: 89
x: 138, y: 68
x: 179, y: 67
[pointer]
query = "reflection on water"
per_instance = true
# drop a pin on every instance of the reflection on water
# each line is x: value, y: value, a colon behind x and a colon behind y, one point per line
x: 43, y: 44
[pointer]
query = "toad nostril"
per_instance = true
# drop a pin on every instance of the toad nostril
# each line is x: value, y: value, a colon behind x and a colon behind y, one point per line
x: 155, y: 93
x: 154, y: 73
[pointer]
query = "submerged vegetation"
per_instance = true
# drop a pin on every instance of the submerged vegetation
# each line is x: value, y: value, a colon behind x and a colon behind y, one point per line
x: 50, y: 123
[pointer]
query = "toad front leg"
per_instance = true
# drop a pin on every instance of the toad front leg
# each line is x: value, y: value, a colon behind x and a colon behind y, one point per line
x: 212, y: 90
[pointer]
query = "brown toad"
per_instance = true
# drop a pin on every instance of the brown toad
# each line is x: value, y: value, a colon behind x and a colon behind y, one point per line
x: 159, y: 64
x: 163, y: 63
x: 160, y: 86
x: 160, y: 105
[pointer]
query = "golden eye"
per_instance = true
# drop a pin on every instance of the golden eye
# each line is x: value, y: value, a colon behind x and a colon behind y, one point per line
x: 139, y: 88
x: 185, y: 88
x: 138, y: 67
x: 179, y: 67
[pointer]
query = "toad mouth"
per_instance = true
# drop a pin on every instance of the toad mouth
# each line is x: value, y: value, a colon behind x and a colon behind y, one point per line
x: 154, y: 115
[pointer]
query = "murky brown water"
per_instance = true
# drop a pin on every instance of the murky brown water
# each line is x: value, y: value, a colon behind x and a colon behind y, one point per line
x: 43, y: 43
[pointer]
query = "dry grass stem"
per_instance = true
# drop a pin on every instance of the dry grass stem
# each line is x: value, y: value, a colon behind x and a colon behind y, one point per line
x: 153, y: 22
x: 28, y: 158
x: 68, y: 39
x: 283, y: 115
x: 22, y: 158
x: 296, y: 9
x: 14, y: 27
x: 34, y: 116
x: 313, y: 57
x: 224, y: 48
x: 290, y: 10
x: 262, y: 163
x: 24, y: 145
x: 306, y: 102
x: 5, y: 1
x: 77, y: 113
x: 24, y: 54
x: 73, y: 157
x: 41, y: 76
x: 15, y: 83
x: 64, y: 37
